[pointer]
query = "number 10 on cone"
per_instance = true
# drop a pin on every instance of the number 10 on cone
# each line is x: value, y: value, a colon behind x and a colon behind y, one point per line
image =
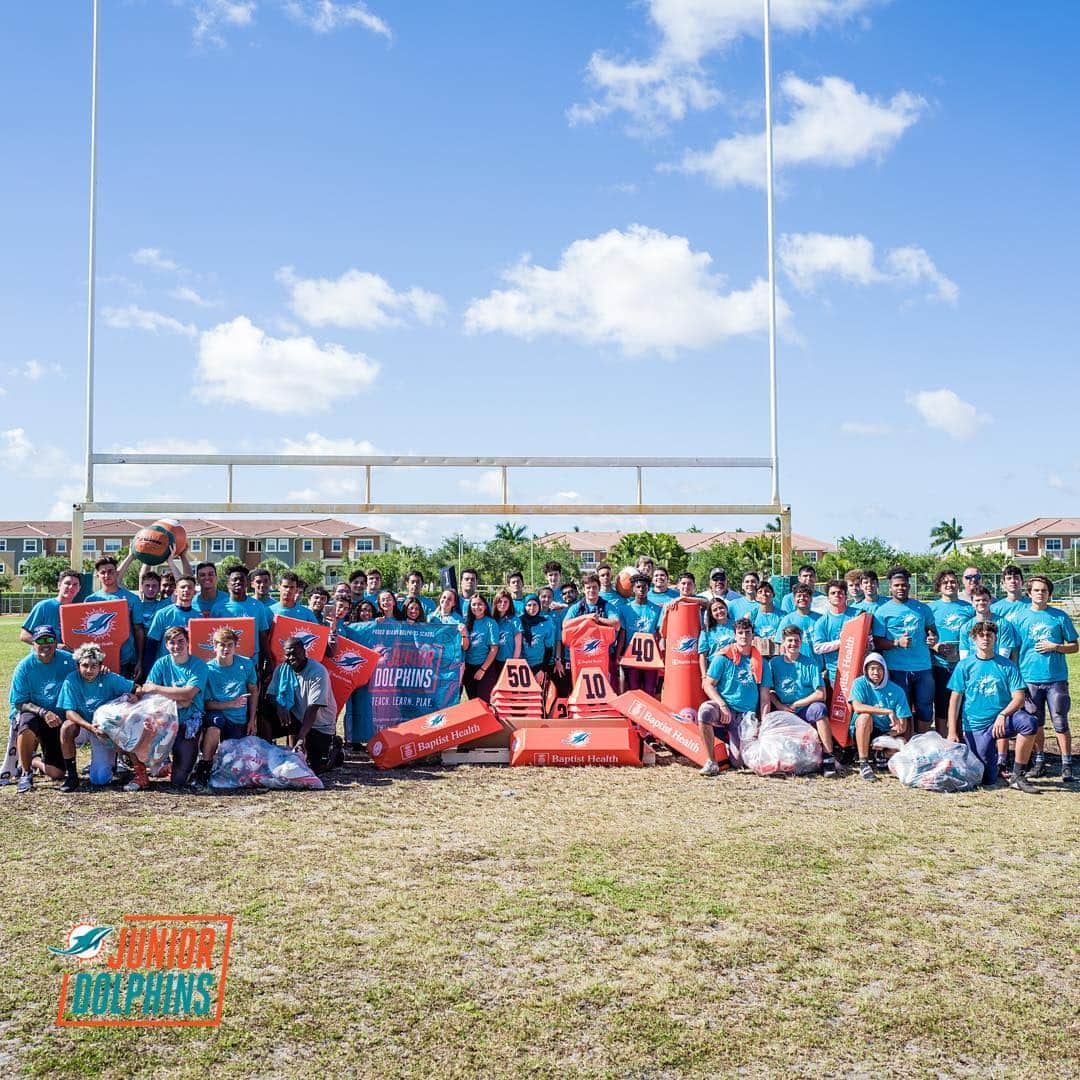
x: 642, y: 651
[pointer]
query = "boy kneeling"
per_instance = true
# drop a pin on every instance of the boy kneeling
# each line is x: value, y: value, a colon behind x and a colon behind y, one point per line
x: 879, y: 707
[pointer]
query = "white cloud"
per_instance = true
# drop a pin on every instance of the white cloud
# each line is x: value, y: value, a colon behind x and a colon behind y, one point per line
x: 672, y: 81
x: 831, y: 123
x: 808, y: 258
x: 153, y: 258
x: 330, y: 482
x: 641, y: 290
x: 313, y: 443
x: 913, y: 265
x: 34, y: 370
x: 22, y: 453
x: 66, y: 495
x: 946, y: 411
x: 357, y: 300
x: 322, y: 16
x: 214, y: 17
x: 190, y: 296
x: 151, y: 476
x: 137, y: 318
x: 240, y: 363
x: 858, y: 427
x: 488, y: 483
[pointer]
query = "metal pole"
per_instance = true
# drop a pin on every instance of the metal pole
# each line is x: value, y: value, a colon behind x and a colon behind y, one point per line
x: 76, y: 538
x: 785, y: 540
x: 774, y: 451
x: 92, y: 267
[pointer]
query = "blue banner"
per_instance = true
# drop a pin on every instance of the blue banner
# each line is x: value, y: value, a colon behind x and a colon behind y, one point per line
x: 419, y: 670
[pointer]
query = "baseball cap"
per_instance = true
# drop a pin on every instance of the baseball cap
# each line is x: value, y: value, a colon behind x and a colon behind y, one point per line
x: 44, y: 631
x: 716, y: 574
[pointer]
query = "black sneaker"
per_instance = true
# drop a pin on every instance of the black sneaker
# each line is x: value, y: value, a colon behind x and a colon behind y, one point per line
x: 1066, y: 774
x: 866, y: 771
x: 1037, y: 769
x: 200, y: 778
x: 71, y: 783
x: 1022, y: 783
x: 829, y: 766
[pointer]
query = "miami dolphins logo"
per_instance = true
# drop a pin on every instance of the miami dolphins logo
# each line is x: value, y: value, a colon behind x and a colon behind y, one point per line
x: 436, y: 721
x: 577, y: 738
x: 84, y: 941
x: 590, y: 646
x: 686, y: 644
x: 97, y: 624
x: 208, y: 645
x: 351, y: 662
x: 986, y: 686
x: 307, y: 640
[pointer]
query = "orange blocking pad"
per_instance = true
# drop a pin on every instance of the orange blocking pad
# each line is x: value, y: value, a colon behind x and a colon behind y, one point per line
x: 561, y: 746
x: 315, y: 637
x: 849, y: 662
x: 429, y: 734
x: 643, y: 651
x: 201, y: 636
x: 104, y: 623
x: 645, y: 711
x: 680, y: 627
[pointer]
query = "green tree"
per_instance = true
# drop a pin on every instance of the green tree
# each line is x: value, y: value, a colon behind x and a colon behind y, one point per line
x: 43, y: 572
x: 310, y: 572
x: 6, y: 582
x: 662, y: 548
x: 944, y: 535
x: 511, y: 533
x: 229, y: 563
x: 275, y: 566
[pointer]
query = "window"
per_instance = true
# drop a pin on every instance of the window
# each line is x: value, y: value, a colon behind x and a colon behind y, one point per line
x: 3, y: 545
x: 217, y: 545
x: 364, y: 543
x: 254, y: 545
x: 230, y: 544
x: 588, y: 558
x: 309, y: 545
x: 112, y: 547
x: 196, y: 545
x: 335, y: 547
x: 88, y: 547
x: 23, y: 567
x: 1021, y: 545
x: 811, y: 556
x: 30, y: 545
x: 61, y: 545
x: 276, y: 543
x: 1053, y: 543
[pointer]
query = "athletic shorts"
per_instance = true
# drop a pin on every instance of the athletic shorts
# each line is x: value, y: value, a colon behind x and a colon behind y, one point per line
x: 229, y: 729
x: 48, y: 738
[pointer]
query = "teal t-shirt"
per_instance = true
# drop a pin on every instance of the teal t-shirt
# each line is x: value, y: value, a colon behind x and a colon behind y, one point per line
x: 127, y: 650
x: 610, y: 595
x: 203, y: 607
x: 297, y: 611
x: 1054, y: 625
x: 543, y: 639
x: 806, y: 624
x: 870, y: 605
x: 43, y: 613
x: 150, y: 608
x: 714, y: 639
x: 453, y: 619
x: 949, y: 618
x: 508, y: 630
x: 662, y: 599
x: 639, y: 618
x: 787, y: 604
x: 742, y: 609
x: 794, y: 681
x: 893, y: 620
x: 736, y: 684
x: 987, y: 686
x: 483, y: 635
x: 226, y: 683
x: 426, y: 603
x: 1007, y: 642
x: 828, y: 628
x: 167, y: 672
x: 886, y: 696
x: 766, y: 622
x: 248, y: 608
x: 39, y: 683
x: 1013, y: 610
x: 84, y: 697
x: 169, y: 616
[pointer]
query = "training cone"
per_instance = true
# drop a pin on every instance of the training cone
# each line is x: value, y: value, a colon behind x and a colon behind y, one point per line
x: 518, y: 697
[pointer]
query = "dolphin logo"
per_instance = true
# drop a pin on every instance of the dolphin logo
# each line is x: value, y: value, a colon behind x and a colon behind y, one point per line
x: 351, y: 662
x: 208, y: 646
x: 686, y: 644
x: 84, y: 942
x: 307, y: 640
x: 97, y: 624
x: 590, y: 646
x: 436, y: 721
x: 577, y: 738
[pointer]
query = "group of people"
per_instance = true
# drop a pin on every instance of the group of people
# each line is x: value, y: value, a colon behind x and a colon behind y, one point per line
x: 981, y: 670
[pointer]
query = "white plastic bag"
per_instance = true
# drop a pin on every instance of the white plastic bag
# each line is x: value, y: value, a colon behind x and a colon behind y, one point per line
x: 781, y: 743
x: 145, y: 728
x: 252, y: 762
x: 935, y: 764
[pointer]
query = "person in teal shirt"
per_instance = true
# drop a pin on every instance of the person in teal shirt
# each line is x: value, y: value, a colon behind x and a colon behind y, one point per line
x: 509, y: 625
x: 47, y: 612
x: 1014, y: 604
x: 950, y: 614
x: 177, y: 670
x: 110, y: 589
x: 733, y: 689
x: 871, y: 599
x: 208, y: 593
x: 878, y: 707
x: 34, y: 697
x: 179, y: 613
x: 262, y: 587
x: 482, y: 668
x: 1047, y: 636
x: 150, y: 602
x: 718, y: 633
x: 537, y: 636
x: 290, y: 589
x: 807, y: 576
x: 804, y: 618
x: 825, y: 634
x: 414, y: 582
x: 746, y: 606
x: 766, y: 618
x: 661, y: 592
x: 1007, y: 638
x: 238, y: 605
x: 987, y: 694
x: 608, y: 592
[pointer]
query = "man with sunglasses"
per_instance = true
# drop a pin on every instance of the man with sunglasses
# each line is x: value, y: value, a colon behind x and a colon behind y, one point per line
x: 972, y: 580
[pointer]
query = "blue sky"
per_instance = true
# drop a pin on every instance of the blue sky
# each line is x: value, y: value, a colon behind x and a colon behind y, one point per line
x: 539, y: 229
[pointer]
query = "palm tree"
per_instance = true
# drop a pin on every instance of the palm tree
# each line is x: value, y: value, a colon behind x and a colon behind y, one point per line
x: 944, y: 535
x: 514, y: 534
x: 773, y: 526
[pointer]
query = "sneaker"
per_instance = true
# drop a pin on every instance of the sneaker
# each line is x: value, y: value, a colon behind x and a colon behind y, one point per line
x: 829, y: 766
x: 135, y: 785
x: 26, y: 782
x: 1022, y: 783
x: 866, y: 771
x: 200, y: 778
x: 71, y: 783
x: 1037, y: 768
x: 1066, y: 774
x: 710, y: 768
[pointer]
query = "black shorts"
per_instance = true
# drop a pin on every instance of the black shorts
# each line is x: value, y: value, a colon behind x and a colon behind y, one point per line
x: 323, y: 750
x: 48, y: 738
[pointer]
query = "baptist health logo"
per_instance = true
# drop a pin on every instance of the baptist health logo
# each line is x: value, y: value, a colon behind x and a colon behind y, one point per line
x: 160, y: 971
x: 97, y: 624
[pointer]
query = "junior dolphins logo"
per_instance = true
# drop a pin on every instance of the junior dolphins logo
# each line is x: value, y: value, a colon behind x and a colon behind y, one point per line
x: 97, y: 624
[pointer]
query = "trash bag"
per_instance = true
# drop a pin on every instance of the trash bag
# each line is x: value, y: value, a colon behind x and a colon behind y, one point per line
x: 145, y: 727
x: 780, y: 743
x: 252, y: 762
x: 931, y: 762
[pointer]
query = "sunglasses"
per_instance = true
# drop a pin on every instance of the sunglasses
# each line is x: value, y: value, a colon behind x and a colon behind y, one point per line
x: 973, y: 577
x: 45, y: 641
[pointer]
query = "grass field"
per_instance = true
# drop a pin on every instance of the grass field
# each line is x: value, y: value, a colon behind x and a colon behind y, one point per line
x: 649, y: 922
